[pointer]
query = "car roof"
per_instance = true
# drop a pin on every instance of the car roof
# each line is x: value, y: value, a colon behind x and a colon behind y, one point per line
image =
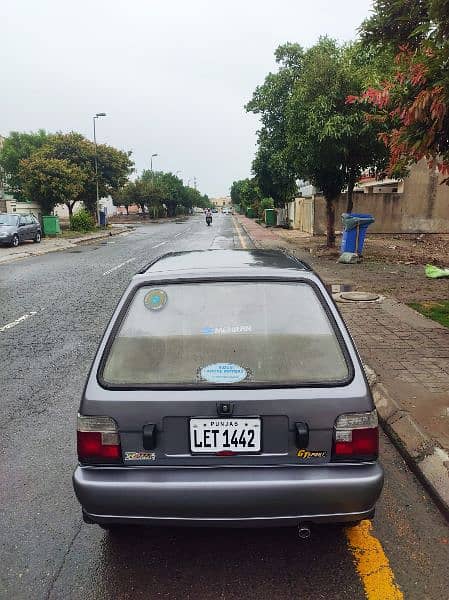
x: 253, y: 263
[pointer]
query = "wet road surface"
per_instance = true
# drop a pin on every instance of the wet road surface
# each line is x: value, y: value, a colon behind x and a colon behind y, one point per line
x: 56, y: 307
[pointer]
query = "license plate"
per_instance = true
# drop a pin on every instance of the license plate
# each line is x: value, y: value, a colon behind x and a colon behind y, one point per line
x: 224, y: 435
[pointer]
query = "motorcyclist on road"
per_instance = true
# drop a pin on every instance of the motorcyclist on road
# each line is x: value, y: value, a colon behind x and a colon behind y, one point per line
x: 208, y: 216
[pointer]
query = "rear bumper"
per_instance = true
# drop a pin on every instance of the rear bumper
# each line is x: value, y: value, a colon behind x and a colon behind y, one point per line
x: 228, y: 497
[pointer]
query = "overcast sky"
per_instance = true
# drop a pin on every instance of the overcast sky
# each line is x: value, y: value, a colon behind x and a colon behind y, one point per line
x: 172, y: 75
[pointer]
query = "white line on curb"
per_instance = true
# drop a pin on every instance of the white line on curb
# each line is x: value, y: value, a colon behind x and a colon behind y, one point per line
x: 17, y: 321
x: 119, y: 266
x: 157, y: 245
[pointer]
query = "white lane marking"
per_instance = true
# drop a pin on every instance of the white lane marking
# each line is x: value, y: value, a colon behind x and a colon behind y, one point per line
x: 119, y: 266
x: 157, y: 245
x: 17, y: 321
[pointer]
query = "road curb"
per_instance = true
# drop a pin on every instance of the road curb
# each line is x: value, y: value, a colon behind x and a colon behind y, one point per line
x: 99, y: 236
x: 425, y: 457
x: 256, y: 243
x: 66, y: 245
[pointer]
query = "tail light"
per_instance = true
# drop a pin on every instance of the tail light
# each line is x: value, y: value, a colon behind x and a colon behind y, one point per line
x: 356, y: 437
x: 98, y: 440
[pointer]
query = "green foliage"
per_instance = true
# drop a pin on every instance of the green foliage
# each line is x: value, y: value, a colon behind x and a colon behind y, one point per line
x: 16, y: 147
x: 125, y: 196
x: 331, y: 142
x: 114, y: 166
x: 82, y: 220
x: 266, y: 203
x: 160, y: 193
x: 413, y: 99
x: 245, y: 192
x: 273, y: 168
x: 50, y: 181
x: 437, y: 311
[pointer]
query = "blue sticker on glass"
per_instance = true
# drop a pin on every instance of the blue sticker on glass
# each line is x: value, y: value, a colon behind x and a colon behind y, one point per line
x: 223, y: 373
x: 155, y: 299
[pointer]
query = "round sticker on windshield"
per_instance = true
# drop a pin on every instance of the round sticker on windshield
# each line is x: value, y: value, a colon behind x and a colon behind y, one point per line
x: 155, y: 299
x: 223, y: 373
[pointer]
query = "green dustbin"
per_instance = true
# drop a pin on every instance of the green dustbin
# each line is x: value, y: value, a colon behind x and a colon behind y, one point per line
x: 250, y: 213
x: 50, y: 225
x: 270, y: 217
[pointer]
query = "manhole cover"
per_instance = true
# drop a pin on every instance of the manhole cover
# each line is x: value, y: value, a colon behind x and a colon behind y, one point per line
x: 360, y: 296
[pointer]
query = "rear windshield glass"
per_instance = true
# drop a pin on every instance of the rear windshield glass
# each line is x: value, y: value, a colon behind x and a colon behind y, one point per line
x: 227, y: 333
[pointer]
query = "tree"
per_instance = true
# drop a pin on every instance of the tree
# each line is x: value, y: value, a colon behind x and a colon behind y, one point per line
x: 236, y: 189
x: 125, y: 196
x: 414, y: 101
x: 168, y: 186
x: 273, y: 168
x: 16, y: 147
x: 246, y: 193
x: 50, y: 181
x: 330, y: 143
x: 114, y: 166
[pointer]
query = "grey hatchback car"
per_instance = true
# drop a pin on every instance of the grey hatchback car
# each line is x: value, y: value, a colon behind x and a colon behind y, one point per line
x: 227, y: 392
x: 16, y: 228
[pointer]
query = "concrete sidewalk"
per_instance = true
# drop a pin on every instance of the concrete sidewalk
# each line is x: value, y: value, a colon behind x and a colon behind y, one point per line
x: 408, y: 367
x: 27, y: 249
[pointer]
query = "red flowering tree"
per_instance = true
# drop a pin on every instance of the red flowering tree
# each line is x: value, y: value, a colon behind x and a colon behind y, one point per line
x: 414, y: 101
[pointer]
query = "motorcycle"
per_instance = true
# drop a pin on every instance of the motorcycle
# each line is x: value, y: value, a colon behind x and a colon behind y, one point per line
x: 208, y: 220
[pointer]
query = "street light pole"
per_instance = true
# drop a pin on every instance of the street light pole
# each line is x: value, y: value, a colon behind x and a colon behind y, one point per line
x: 96, y: 164
x: 151, y: 163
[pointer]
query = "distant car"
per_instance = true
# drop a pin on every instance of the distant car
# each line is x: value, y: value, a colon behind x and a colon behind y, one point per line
x: 227, y: 391
x: 16, y: 228
x: 215, y: 210
x: 225, y: 210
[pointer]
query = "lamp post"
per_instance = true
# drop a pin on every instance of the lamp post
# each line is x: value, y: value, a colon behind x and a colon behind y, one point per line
x: 151, y: 162
x: 96, y: 116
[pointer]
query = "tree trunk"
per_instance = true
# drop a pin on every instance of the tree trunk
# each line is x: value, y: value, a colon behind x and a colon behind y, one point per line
x: 350, y: 195
x: 70, y: 207
x: 127, y: 211
x: 330, y: 212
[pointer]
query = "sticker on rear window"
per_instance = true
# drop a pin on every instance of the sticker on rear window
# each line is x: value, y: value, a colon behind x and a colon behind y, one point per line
x: 226, y: 330
x: 223, y: 373
x: 155, y: 299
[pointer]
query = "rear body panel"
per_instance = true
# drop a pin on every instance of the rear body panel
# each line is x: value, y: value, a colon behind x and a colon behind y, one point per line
x: 168, y: 484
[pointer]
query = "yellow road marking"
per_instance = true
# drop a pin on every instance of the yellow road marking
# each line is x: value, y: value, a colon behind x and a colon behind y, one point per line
x: 371, y: 563
x: 241, y: 240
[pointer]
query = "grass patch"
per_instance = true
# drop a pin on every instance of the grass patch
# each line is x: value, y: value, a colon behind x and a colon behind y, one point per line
x: 437, y: 311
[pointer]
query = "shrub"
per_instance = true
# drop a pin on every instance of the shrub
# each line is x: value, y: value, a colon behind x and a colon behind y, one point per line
x: 264, y: 204
x: 82, y: 220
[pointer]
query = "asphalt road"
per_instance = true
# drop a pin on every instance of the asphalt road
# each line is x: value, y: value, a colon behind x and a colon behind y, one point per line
x: 55, y: 308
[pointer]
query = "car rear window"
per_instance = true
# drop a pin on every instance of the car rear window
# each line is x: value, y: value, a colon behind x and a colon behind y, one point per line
x: 225, y: 333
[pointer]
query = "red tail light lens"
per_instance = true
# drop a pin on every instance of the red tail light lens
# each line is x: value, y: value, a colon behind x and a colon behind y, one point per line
x: 356, y: 437
x: 98, y: 440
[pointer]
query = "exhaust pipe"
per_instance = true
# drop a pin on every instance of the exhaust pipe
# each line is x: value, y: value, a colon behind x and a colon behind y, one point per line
x: 304, y: 532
